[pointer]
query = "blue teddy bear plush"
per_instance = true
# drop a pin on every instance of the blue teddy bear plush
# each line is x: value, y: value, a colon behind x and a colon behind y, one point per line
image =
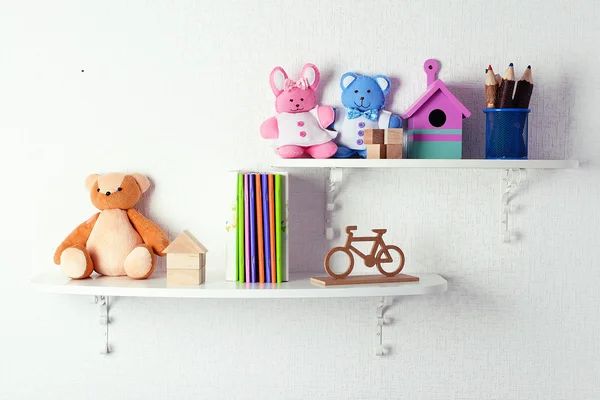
x: 363, y: 98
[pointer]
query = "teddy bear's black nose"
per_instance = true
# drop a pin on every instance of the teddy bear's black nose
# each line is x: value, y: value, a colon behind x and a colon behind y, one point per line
x: 362, y: 98
x: 108, y: 193
x: 297, y: 105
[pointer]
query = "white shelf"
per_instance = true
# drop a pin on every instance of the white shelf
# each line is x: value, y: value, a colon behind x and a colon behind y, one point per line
x: 412, y: 163
x: 298, y: 287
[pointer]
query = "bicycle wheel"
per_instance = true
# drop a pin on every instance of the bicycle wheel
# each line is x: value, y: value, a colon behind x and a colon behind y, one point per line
x: 337, y: 250
x: 396, y: 256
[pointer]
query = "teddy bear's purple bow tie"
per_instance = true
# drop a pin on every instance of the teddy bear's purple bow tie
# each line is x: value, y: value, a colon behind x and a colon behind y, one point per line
x: 369, y: 114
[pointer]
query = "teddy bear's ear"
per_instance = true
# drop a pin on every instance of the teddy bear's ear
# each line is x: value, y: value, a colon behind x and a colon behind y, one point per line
x: 347, y: 79
x: 90, y: 180
x: 384, y: 83
x: 142, y: 181
x: 276, y: 79
x: 312, y: 75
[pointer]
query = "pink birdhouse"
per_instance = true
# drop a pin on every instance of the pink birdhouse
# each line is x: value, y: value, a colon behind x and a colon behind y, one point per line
x: 435, y: 120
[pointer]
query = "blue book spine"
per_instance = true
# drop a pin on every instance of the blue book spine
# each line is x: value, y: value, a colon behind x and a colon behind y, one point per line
x: 267, y: 235
x: 253, y: 244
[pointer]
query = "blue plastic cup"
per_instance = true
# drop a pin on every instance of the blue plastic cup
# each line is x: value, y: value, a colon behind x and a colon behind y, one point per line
x: 506, y: 133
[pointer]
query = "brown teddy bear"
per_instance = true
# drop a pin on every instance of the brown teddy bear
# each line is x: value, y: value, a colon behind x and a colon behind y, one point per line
x: 118, y: 240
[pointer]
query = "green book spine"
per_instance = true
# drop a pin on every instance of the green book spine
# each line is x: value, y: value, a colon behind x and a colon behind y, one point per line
x: 278, y: 226
x: 240, y: 229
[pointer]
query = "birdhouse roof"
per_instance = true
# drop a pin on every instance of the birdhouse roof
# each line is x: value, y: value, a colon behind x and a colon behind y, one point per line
x: 186, y: 243
x: 430, y: 91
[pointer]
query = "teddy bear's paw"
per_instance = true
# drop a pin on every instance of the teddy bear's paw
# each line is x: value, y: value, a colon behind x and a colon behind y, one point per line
x: 75, y: 262
x: 139, y: 264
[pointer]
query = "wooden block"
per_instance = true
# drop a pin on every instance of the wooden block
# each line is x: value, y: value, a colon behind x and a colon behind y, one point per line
x: 185, y: 276
x: 393, y: 151
x: 362, y: 279
x: 376, y: 151
x: 393, y: 136
x: 374, y: 136
x: 184, y: 261
x: 185, y: 243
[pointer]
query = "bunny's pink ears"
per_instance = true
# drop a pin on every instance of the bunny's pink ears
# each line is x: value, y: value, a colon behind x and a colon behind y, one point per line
x: 309, y: 79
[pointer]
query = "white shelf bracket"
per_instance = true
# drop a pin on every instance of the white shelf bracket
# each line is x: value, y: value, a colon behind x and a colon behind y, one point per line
x: 102, y: 302
x: 335, y: 178
x: 380, y: 349
x: 510, y: 179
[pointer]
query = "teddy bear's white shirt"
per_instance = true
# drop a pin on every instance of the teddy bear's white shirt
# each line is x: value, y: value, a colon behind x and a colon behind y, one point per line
x: 350, y: 129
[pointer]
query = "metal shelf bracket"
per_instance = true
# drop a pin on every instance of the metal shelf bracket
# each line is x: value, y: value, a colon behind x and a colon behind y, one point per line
x: 335, y: 178
x: 380, y: 349
x: 103, y: 302
x: 511, y: 179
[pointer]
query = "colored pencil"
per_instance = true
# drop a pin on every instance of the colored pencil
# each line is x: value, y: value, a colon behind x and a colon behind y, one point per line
x: 491, y: 88
x: 240, y: 228
x: 246, y: 230
x: 272, y: 229
x: 524, y: 89
x: 259, y: 231
x: 505, y: 91
x: 252, y: 209
x: 278, y: 227
x: 266, y: 226
x: 498, y: 79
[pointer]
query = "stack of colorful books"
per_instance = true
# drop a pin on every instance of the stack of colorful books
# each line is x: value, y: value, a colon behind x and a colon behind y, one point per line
x: 260, y: 224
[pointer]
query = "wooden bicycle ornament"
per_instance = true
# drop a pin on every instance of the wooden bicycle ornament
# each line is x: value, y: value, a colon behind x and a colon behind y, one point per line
x: 389, y: 260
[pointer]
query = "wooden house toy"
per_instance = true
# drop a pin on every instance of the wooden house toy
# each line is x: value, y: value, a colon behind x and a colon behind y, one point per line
x: 435, y: 120
x: 186, y: 260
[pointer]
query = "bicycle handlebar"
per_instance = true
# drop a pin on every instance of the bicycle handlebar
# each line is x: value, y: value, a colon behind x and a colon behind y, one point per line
x: 349, y: 229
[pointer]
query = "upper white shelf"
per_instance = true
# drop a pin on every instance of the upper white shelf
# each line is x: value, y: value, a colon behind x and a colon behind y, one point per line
x: 298, y: 287
x: 412, y: 163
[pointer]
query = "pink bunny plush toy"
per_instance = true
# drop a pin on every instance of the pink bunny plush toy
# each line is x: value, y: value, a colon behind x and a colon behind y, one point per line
x: 300, y: 123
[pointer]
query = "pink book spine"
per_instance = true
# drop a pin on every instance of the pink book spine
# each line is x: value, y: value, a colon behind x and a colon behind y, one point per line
x: 246, y: 230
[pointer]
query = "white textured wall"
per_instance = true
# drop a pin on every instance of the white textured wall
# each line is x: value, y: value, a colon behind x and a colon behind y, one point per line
x: 178, y: 89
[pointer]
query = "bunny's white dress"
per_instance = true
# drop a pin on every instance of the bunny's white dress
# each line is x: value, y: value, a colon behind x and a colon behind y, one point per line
x: 302, y: 129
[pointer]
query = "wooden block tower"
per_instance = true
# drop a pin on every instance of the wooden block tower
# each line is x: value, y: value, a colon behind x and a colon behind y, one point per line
x: 384, y: 143
x: 186, y: 260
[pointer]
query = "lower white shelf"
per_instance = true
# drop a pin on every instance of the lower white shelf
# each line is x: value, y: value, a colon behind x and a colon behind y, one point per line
x: 299, y: 286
